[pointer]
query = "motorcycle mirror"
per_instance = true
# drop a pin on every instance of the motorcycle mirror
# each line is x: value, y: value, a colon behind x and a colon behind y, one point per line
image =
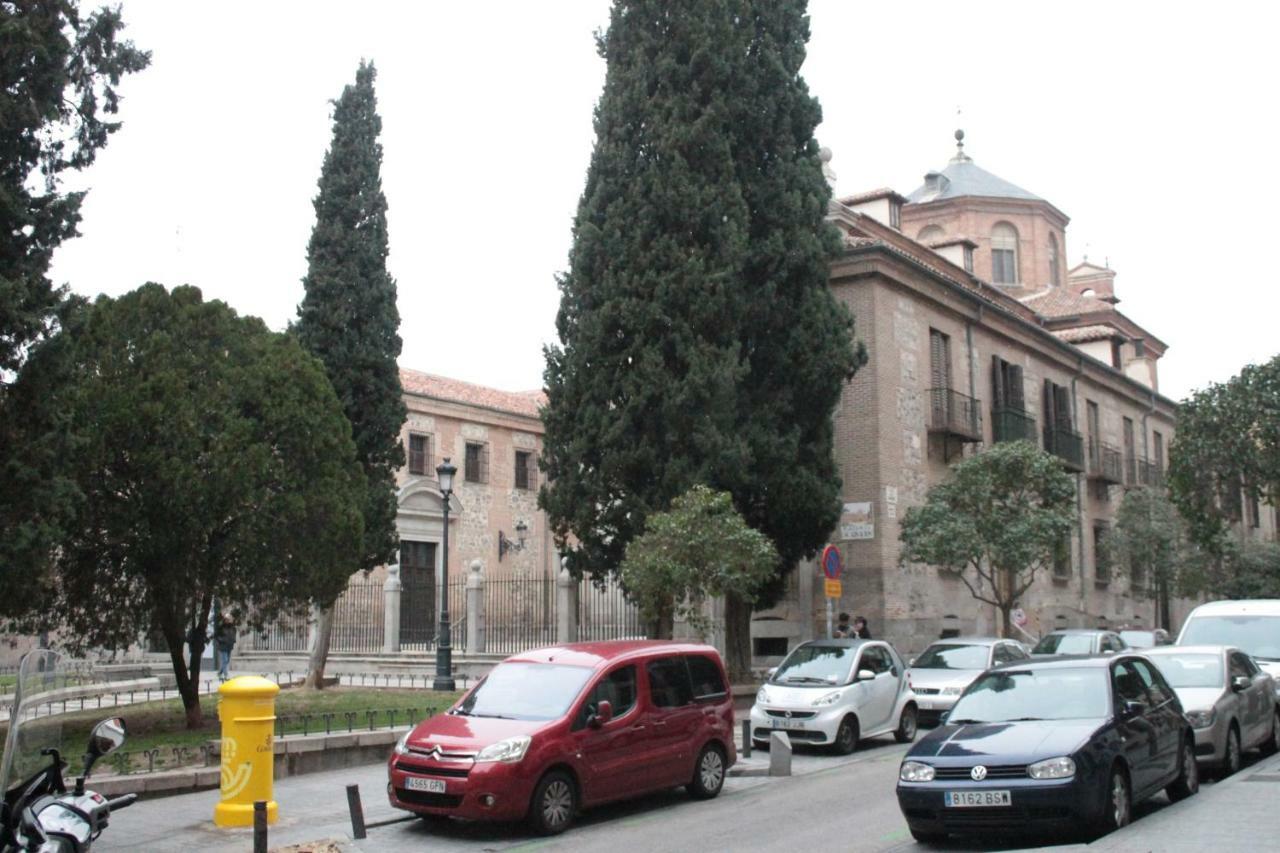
x: 107, y: 737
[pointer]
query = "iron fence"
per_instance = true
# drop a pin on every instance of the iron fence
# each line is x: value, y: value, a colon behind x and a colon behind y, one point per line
x: 604, y: 613
x: 520, y: 614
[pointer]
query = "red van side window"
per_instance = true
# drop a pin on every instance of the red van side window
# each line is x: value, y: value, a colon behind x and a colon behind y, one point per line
x: 706, y: 678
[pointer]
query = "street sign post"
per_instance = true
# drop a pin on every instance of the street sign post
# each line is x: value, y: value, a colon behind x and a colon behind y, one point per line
x: 832, y: 566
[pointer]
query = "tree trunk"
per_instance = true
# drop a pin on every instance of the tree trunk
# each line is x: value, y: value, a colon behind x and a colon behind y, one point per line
x: 320, y: 654
x: 737, y: 638
x: 663, y: 626
x: 1163, y: 603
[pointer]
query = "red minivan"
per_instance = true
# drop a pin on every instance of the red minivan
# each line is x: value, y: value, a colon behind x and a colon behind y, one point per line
x: 554, y: 730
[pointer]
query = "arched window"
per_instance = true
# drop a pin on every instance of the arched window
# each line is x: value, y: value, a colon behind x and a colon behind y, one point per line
x: 1055, y: 277
x: 930, y: 233
x: 1004, y: 254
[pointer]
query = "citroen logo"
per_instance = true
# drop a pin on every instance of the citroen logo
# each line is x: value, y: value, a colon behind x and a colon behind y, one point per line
x: 978, y: 773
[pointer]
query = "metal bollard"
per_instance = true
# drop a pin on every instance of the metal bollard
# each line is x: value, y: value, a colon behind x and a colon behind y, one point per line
x: 357, y: 812
x: 779, y: 754
x: 746, y: 738
x: 259, y: 827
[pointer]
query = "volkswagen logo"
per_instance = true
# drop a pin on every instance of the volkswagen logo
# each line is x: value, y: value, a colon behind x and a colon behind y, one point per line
x: 978, y: 773
x: 786, y: 714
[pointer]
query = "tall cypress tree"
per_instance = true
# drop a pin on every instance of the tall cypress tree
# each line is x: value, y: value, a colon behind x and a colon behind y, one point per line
x: 349, y: 319
x: 699, y: 341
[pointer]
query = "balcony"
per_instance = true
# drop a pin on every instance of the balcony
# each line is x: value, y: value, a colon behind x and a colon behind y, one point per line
x: 1106, y: 465
x: 1066, y: 445
x: 954, y: 414
x: 1013, y: 425
x: 1150, y: 474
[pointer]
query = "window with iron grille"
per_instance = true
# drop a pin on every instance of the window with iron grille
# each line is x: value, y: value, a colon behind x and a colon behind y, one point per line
x: 1062, y: 558
x: 1130, y: 459
x: 1101, y: 553
x: 419, y: 454
x: 1158, y: 441
x: 476, y: 468
x: 526, y: 474
x: 939, y: 359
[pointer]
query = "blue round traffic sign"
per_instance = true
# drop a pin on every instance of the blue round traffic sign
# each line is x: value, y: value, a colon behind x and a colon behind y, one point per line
x: 832, y: 564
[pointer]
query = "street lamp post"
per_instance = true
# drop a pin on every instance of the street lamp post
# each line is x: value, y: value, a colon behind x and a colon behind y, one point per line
x: 444, y: 649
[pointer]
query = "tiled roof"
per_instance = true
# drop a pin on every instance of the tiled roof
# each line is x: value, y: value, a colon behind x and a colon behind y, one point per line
x: 965, y: 178
x: 872, y: 195
x: 1061, y: 302
x: 524, y: 403
x: 1082, y: 334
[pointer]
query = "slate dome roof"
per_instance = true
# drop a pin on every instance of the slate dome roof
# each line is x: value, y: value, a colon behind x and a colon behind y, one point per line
x: 962, y: 177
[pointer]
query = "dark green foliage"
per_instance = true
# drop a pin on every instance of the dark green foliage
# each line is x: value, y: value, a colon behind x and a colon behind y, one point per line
x: 995, y: 522
x: 58, y: 78
x: 700, y: 548
x: 1227, y: 452
x: 699, y: 342
x: 1150, y: 540
x: 202, y: 456
x: 348, y: 317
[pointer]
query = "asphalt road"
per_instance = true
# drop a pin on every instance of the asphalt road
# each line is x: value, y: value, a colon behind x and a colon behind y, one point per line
x: 831, y: 804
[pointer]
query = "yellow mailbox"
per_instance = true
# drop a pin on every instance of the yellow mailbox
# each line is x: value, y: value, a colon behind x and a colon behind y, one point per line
x: 247, y: 709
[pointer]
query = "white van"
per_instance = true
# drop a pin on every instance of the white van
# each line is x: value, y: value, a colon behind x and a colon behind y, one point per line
x: 1252, y: 625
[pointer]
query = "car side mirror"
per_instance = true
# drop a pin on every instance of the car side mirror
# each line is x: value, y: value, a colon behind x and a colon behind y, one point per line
x: 942, y: 718
x: 1241, y: 682
x: 603, y: 714
x: 769, y: 673
x: 864, y: 675
x: 106, y: 737
x: 1108, y: 651
x: 1131, y: 709
x: 911, y: 662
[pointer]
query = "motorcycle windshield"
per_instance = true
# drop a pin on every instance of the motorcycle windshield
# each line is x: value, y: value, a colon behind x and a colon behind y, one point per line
x: 32, y: 714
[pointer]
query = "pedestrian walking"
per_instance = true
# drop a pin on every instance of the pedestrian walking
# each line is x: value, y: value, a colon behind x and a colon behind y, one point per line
x: 860, y: 629
x: 224, y: 640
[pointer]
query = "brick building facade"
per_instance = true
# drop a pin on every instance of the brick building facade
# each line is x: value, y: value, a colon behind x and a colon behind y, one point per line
x: 978, y: 332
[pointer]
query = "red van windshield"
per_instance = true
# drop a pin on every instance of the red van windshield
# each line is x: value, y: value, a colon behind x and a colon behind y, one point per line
x: 526, y: 691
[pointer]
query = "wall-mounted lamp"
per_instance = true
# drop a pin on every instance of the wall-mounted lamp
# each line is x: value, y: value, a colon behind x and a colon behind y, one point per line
x: 505, y: 544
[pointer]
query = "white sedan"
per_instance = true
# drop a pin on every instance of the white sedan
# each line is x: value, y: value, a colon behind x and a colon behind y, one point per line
x: 835, y: 692
x: 947, y: 667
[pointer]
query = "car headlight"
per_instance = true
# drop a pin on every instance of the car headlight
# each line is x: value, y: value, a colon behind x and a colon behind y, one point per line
x: 763, y: 695
x: 402, y: 745
x: 914, y: 771
x: 1200, y: 719
x: 828, y: 699
x: 1052, y: 768
x: 510, y: 750
x: 952, y: 691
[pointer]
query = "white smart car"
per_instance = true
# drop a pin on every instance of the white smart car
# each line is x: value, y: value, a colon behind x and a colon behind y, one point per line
x: 835, y: 692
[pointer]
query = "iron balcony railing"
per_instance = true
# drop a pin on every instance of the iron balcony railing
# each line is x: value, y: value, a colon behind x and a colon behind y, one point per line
x: 1150, y: 474
x: 953, y: 413
x: 1066, y: 445
x: 1105, y: 463
x: 1012, y: 425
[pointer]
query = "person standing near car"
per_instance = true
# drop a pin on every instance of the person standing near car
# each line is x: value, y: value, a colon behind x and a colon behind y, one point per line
x: 843, y: 629
x: 224, y: 640
x: 860, y: 629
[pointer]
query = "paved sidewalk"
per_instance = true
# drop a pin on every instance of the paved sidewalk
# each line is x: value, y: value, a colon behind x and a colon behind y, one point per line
x: 1238, y: 813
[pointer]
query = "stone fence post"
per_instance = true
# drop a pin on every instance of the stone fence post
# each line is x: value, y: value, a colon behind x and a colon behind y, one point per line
x: 566, y: 607
x: 391, y: 611
x: 475, y: 608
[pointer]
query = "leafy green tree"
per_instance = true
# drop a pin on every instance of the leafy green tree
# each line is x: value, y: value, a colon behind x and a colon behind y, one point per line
x: 1150, y: 539
x: 995, y: 522
x: 699, y: 342
x: 58, y: 76
x: 208, y: 458
x: 348, y: 318
x: 700, y: 548
x: 1226, y: 450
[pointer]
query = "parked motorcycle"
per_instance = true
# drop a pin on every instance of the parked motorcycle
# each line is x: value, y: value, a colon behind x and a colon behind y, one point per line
x: 39, y: 814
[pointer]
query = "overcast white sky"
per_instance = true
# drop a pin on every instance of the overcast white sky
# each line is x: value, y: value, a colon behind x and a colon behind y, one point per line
x: 1153, y: 126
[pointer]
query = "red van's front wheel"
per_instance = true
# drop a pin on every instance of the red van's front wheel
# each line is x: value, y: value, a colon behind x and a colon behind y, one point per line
x: 554, y: 803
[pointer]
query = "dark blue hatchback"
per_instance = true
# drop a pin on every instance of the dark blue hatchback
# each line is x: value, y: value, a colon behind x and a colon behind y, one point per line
x: 1059, y: 743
